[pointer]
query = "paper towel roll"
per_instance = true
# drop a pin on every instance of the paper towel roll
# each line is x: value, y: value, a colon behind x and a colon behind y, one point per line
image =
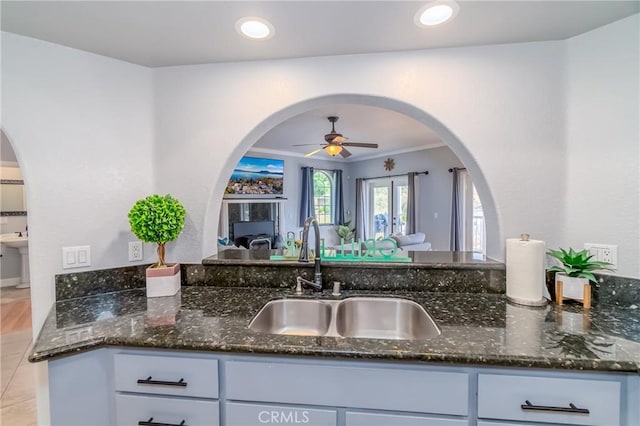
x: 526, y: 271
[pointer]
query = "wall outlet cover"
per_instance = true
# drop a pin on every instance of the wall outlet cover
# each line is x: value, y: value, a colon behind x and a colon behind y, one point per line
x: 604, y: 253
x: 135, y: 251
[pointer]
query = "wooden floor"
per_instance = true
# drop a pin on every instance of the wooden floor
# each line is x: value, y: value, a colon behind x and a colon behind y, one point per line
x: 15, y: 316
x: 15, y: 310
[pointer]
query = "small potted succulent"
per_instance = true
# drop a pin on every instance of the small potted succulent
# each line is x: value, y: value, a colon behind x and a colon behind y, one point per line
x: 159, y: 219
x: 346, y: 232
x: 575, y: 270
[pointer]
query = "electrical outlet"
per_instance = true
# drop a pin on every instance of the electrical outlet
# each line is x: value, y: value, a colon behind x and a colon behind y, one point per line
x: 604, y: 253
x: 135, y: 251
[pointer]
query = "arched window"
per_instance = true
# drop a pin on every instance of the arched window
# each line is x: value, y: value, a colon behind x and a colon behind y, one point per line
x: 323, y: 196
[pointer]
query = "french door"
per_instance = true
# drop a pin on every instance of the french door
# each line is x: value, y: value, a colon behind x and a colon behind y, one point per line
x: 387, y: 206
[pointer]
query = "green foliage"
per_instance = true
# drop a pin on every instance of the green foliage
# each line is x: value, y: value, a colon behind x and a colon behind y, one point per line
x: 345, y: 231
x: 577, y: 264
x: 157, y: 219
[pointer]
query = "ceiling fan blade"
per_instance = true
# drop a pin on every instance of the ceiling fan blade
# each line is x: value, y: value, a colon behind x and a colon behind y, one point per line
x: 313, y: 152
x: 361, y: 145
x: 345, y: 153
x: 308, y: 144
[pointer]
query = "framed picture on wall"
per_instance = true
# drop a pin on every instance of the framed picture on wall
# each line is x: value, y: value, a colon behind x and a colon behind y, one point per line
x: 256, y: 176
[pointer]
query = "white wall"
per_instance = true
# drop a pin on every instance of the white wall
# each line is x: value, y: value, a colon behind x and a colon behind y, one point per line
x: 603, y: 141
x: 434, y: 189
x: 82, y: 130
x: 500, y: 109
x: 525, y: 119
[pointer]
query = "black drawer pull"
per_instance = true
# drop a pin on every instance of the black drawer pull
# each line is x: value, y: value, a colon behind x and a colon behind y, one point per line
x: 150, y: 422
x: 149, y: 381
x: 570, y: 409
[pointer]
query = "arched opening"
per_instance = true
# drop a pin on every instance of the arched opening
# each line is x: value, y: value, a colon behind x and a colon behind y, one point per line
x: 15, y: 293
x: 493, y: 234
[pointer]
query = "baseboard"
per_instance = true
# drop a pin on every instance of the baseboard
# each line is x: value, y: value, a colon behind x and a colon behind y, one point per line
x: 9, y: 282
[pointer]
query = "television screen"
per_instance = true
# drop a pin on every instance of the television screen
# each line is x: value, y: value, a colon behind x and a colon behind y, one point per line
x: 257, y: 176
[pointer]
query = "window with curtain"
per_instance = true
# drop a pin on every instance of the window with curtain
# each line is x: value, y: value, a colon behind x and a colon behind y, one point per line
x: 323, y: 196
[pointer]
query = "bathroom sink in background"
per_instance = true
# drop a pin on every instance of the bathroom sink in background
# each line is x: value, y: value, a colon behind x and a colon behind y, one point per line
x: 12, y: 240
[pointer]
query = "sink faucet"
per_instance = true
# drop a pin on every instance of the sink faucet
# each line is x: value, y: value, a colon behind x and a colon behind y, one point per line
x: 316, y: 284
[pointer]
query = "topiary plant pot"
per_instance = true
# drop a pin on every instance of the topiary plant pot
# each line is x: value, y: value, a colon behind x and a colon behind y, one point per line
x: 163, y: 281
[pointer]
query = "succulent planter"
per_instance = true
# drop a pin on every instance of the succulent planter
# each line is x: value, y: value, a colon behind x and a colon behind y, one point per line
x: 163, y: 282
x: 573, y: 288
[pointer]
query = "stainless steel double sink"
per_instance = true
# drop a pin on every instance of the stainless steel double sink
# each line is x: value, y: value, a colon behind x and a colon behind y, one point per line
x: 363, y: 317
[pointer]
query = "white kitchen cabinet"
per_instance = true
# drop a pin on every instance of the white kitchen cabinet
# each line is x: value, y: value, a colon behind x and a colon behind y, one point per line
x: 553, y: 400
x: 383, y: 419
x: 191, y: 376
x: 335, y: 384
x: 100, y: 387
x: 243, y: 414
x: 158, y: 410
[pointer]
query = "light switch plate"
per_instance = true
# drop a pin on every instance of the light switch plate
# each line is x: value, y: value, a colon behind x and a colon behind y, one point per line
x: 76, y: 257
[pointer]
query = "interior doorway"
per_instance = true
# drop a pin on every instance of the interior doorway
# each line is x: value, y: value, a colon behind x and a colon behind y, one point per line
x: 17, y: 402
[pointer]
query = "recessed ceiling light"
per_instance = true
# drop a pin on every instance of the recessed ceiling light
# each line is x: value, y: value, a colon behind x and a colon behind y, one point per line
x: 255, y: 28
x: 436, y: 13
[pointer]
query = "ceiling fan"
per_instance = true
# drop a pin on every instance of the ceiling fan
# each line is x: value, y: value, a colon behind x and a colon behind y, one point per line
x: 336, y: 143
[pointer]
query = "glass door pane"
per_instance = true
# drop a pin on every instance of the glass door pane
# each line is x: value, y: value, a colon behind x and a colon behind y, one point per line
x: 380, y: 204
x: 399, y: 211
x: 388, y: 206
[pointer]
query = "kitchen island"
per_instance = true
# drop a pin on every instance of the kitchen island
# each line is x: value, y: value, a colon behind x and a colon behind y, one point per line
x: 102, y: 348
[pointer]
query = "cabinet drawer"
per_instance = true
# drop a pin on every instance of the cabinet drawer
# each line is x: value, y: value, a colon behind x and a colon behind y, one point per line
x: 375, y: 419
x: 501, y: 397
x: 131, y: 409
x: 358, y: 387
x: 162, y: 374
x: 257, y: 415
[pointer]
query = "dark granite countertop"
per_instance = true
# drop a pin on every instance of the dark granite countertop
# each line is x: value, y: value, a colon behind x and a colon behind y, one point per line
x: 430, y: 259
x: 480, y: 329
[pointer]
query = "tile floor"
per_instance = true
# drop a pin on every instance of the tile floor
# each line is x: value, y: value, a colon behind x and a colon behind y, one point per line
x: 17, y: 375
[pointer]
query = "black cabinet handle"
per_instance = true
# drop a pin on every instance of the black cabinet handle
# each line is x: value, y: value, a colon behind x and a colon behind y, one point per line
x: 570, y: 409
x: 150, y: 422
x: 150, y: 381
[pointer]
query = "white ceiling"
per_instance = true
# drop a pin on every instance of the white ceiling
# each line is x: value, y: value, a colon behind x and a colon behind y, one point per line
x: 167, y: 33
x: 392, y: 131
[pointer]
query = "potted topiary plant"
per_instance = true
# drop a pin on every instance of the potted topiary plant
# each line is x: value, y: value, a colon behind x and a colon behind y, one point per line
x: 574, y: 273
x: 159, y: 219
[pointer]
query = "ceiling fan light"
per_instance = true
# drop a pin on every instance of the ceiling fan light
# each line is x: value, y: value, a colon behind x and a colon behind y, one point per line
x: 333, y: 150
x: 436, y: 13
